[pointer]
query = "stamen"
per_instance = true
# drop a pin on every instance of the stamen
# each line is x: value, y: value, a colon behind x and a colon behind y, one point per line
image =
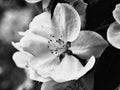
x: 56, y: 45
x: 68, y: 44
x: 61, y: 56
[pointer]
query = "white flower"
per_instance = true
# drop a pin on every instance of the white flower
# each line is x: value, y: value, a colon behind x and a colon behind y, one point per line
x: 116, y: 13
x: 113, y: 32
x: 45, y: 3
x: 32, y: 1
x: 48, y: 39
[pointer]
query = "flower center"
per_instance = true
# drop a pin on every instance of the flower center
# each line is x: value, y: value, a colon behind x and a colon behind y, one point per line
x: 57, y: 45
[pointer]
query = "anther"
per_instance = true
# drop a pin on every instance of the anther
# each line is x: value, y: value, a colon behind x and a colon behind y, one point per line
x: 52, y: 36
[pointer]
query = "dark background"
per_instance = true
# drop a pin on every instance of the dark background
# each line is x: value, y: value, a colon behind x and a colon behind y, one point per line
x: 98, y: 18
x: 107, y: 69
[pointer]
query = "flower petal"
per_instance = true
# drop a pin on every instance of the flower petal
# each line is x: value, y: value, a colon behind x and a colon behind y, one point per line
x: 35, y: 45
x: 88, y: 44
x: 35, y: 76
x: 67, y: 69
x: 21, y: 59
x: 87, y: 67
x: 32, y: 1
x: 44, y: 67
x: 52, y: 85
x: 67, y: 20
x: 116, y: 13
x: 113, y: 34
x: 70, y: 69
x: 42, y: 25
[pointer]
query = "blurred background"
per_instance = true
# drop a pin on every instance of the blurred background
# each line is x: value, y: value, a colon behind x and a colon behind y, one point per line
x: 15, y: 16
